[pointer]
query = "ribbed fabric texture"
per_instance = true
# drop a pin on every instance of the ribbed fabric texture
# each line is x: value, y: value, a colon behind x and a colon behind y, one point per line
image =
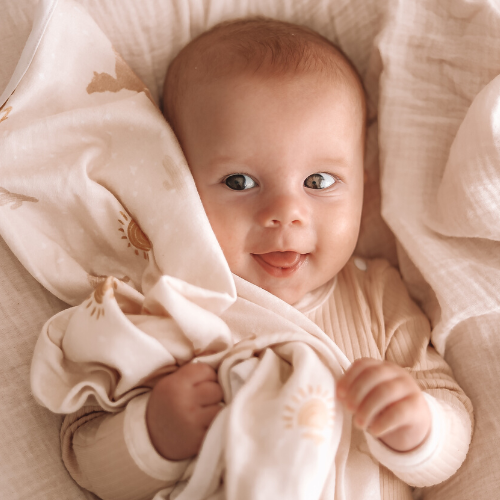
x: 95, y: 453
x: 368, y: 313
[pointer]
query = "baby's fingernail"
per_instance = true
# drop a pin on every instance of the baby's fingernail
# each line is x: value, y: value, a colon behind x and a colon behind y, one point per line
x: 359, y: 423
x: 350, y: 406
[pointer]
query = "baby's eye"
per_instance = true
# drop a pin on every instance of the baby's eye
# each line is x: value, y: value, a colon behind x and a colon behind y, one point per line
x: 238, y: 182
x: 320, y: 180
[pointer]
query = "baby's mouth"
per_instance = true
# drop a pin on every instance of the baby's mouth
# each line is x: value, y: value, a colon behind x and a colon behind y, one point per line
x: 280, y: 264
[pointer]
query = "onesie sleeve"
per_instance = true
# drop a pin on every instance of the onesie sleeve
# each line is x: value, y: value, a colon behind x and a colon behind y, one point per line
x: 404, y: 339
x: 111, y: 454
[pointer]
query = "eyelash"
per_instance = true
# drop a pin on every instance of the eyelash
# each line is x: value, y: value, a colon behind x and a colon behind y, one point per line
x: 335, y: 177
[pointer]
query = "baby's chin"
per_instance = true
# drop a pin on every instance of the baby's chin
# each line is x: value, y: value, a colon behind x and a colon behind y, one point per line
x: 291, y: 295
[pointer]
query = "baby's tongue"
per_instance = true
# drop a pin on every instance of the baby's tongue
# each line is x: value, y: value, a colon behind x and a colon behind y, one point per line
x: 280, y: 259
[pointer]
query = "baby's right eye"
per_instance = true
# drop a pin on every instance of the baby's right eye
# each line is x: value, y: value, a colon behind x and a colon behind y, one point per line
x: 239, y: 182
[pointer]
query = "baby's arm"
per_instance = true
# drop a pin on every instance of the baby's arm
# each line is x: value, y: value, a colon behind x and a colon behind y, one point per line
x: 113, y: 455
x: 402, y: 333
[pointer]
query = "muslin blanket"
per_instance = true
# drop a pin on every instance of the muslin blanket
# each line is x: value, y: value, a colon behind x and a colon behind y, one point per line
x: 105, y: 214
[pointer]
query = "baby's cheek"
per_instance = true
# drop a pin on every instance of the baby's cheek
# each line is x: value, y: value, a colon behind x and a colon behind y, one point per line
x: 229, y: 240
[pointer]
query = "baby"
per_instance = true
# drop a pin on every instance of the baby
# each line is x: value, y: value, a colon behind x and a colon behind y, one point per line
x: 272, y: 120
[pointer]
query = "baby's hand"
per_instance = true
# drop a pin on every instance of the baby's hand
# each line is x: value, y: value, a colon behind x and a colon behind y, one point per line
x: 386, y: 402
x: 181, y: 407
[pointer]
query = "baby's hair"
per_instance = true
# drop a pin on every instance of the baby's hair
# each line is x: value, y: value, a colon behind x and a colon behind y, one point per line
x: 256, y: 45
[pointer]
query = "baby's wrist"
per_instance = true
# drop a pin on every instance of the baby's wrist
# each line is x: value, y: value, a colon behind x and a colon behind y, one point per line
x: 405, y: 440
x: 410, y: 436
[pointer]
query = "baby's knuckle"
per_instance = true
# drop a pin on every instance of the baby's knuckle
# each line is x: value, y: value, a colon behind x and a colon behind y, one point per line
x: 166, y: 385
x: 408, y: 408
x: 203, y: 369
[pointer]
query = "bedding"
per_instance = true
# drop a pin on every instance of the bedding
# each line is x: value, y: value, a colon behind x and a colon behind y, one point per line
x: 420, y: 117
x: 439, y: 149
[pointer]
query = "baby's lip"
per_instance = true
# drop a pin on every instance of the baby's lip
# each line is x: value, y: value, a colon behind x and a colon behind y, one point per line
x: 280, y: 264
x: 281, y: 259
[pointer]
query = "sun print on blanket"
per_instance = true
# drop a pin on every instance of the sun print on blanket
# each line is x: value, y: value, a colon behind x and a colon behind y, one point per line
x: 16, y: 199
x: 125, y: 79
x: 312, y: 411
x: 95, y: 303
x: 97, y: 280
x: 134, y: 236
x: 6, y: 112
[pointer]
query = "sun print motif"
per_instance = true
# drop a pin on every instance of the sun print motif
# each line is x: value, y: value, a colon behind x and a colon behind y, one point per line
x: 96, y: 280
x: 95, y: 303
x: 312, y: 411
x: 14, y: 198
x: 134, y: 235
x: 5, y: 111
x: 125, y: 79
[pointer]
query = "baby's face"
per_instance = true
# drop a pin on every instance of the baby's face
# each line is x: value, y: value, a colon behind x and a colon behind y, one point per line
x: 279, y: 168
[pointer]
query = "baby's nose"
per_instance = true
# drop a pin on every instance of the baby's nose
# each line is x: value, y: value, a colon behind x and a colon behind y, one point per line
x: 283, y: 210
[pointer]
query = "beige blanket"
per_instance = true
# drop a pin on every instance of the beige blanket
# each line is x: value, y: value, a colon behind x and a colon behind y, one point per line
x: 105, y: 214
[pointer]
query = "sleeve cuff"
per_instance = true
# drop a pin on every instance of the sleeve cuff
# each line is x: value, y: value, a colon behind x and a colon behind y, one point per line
x: 438, y: 457
x: 141, y: 448
x: 407, y: 461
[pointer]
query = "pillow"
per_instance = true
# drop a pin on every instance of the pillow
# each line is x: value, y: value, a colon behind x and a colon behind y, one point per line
x: 148, y: 35
x: 437, y: 57
x: 467, y: 201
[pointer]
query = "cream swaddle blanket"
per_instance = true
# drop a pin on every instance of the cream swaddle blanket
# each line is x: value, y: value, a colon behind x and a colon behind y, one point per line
x: 99, y: 205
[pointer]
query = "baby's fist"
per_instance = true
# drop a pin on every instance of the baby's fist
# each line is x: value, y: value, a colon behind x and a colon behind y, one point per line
x: 386, y: 402
x: 181, y: 407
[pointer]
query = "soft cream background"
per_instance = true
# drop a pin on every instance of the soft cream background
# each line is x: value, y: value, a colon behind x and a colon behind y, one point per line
x: 437, y: 56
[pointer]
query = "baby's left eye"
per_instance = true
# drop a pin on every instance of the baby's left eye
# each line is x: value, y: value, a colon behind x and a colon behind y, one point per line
x: 320, y: 180
x: 239, y: 182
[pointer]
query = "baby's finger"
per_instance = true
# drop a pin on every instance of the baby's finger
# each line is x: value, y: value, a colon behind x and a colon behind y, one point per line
x: 352, y: 374
x: 382, y: 396
x: 394, y: 417
x: 208, y: 393
x: 208, y: 413
x: 371, y: 377
x: 198, y: 372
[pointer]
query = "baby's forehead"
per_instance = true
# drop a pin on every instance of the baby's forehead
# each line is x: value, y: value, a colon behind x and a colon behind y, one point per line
x: 271, y: 49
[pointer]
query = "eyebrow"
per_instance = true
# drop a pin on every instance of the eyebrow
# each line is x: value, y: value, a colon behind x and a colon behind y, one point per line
x: 222, y: 162
x: 331, y: 160
x: 228, y: 161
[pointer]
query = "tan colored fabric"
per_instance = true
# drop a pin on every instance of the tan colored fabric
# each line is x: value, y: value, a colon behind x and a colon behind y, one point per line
x: 439, y: 143
x: 30, y: 458
x: 367, y: 312
x: 94, y: 452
